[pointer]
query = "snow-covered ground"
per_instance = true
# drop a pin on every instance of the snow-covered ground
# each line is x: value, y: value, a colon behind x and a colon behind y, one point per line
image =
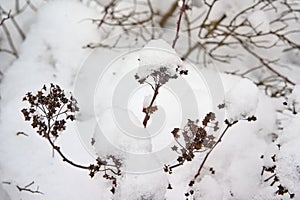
x: 111, y: 101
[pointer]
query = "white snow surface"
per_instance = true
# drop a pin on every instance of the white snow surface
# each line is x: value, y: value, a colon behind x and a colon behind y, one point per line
x: 241, y: 100
x: 157, y: 54
x: 52, y: 52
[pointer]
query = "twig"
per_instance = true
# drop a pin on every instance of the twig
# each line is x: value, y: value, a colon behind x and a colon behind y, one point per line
x: 57, y: 149
x: 20, y: 31
x: 182, y: 10
x: 7, y: 51
x: 264, y: 62
x: 5, y: 18
x: 168, y: 14
x: 27, y: 189
x: 147, y: 110
x: 267, y: 179
x: 10, y: 41
x: 21, y: 133
x: 46, y: 115
x: 203, y: 23
x: 208, y: 153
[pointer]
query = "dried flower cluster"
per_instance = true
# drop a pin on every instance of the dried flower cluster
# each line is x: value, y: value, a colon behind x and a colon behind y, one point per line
x: 48, y: 112
x: 157, y: 78
x: 160, y: 76
x: 196, y: 137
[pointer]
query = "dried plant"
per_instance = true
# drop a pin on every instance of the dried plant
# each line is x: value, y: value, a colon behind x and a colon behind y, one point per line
x: 274, y: 179
x: 217, y: 39
x: 49, y: 111
x: 195, y: 138
x: 155, y: 79
x: 222, y: 40
x: 27, y: 188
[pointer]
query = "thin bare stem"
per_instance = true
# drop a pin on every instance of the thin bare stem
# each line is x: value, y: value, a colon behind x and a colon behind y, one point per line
x: 208, y: 153
x: 182, y: 10
x: 168, y: 14
x: 27, y: 189
x: 5, y: 18
x: 147, y: 110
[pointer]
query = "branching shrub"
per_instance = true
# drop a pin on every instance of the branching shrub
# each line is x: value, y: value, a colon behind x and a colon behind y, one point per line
x: 222, y: 39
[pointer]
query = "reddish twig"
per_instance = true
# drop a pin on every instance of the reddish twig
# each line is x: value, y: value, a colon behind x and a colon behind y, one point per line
x: 182, y: 9
x: 147, y: 110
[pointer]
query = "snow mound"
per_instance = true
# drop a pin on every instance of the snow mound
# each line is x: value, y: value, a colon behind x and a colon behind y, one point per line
x: 157, y: 54
x: 110, y: 139
x: 241, y: 100
x: 208, y: 188
x: 144, y: 186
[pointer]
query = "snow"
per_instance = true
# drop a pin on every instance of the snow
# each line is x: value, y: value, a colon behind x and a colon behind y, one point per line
x: 288, y: 157
x: 47, y: 55
x: 111, y: 114
x: 241, y: 103
x: 148, y: 186
x: 3, y: 194
x: 120, y: 141
x: 157, y: 54
x: 209, y: 188
x: 266, y: 122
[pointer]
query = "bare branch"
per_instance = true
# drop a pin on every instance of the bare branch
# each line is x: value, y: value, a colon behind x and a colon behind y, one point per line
x: 28, y: 189
x: 168, y: 14
x: 2, y: 20
x: 182, y: 10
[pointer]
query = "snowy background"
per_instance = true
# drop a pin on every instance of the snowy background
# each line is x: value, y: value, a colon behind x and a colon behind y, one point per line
x: 53, y: 51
